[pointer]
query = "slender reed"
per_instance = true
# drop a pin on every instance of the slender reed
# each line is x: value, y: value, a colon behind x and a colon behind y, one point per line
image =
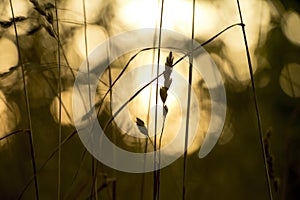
x: 259, y: 124
x: 44, y: 164
x: 27, y: 104
x: 94, y: 173
x: 155, y: 173
x: 60, y: 105
x: 148, y: 114
x: 163, y: 96
x: 14, y: 133
x: 151, y: 48
x: 188, y: 109
x: 146, y: 85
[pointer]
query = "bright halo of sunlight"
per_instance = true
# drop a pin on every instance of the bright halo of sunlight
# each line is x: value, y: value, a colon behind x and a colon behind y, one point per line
x: 291, y: 26
x: 206, y: 17
x: 177, y: 16
x: 8, y: 55
x: 206, y: 20
x: 146, y: 102
x: 9, y: 118
x: 134, y: 79
x: 289, y: 80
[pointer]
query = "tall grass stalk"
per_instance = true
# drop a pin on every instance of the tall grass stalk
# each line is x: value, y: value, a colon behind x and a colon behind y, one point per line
x: 148, y: 113
x: 155, y: 173
x: 27, y: 104
x: 259, y: 124
x: 163, y: 96
x: 188, y: 107
x: 60, y: 105
x: 154, y: 79
x: 14, y: 133
x: 94, y: 170
x: 45, y: 163
x: 151, y: 48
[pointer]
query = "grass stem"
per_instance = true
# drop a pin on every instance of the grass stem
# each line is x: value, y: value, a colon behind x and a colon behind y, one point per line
x: 156, y: 177
x: 60, y: 105
x: 188, y: 108
x: 27, y: 104
x: 259, y: 124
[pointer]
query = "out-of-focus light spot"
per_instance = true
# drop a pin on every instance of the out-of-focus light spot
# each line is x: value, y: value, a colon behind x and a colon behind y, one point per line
x: 263, y: 74
x: 291, y: 26
x: 137, y: 14
x: 66, y: 108
x: 72, y: 56
x: 177, y: 16
x: 263, y: 80
x: 75, y: 49
x: 95, y: 35
x: 289, y: 80
x: 20, y: 8
x: 9, y: 118
x: 8, y: 55
x: 236, y: 68
x: 206, y: 18
x: 72, y: 10
x: 256, y: 21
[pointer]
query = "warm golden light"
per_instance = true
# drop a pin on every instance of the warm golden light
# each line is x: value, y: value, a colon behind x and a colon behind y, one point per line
x: 20, y: 8
x: 289, y: 80
x: 95, y: 35
x: 291, y: 26
x: 143, y: 106
x: 66, y: 108
x: 177, y: 16
x: 72, y: 11
x: 8, y: 55
x: 9, y: 118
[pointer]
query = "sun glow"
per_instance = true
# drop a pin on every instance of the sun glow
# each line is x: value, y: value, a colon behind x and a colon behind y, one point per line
x: 144, y: 105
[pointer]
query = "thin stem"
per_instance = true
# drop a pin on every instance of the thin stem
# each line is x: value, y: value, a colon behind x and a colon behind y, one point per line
x: 45, y: 163
x: 159, y: 154
x: 188, y: 109
x: 86, y: 51
x: 94, y: 180
x: 27, y: 104
x: 89, y: 86
x: 60, y: 105
x: 114, y: 189
x: 14, y: 133
x: 259, y: 124
x: 54, y: 92
x: 151, y: 48
x: 155, y: 174
x: 148, y: 113
x: 149, y: 83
